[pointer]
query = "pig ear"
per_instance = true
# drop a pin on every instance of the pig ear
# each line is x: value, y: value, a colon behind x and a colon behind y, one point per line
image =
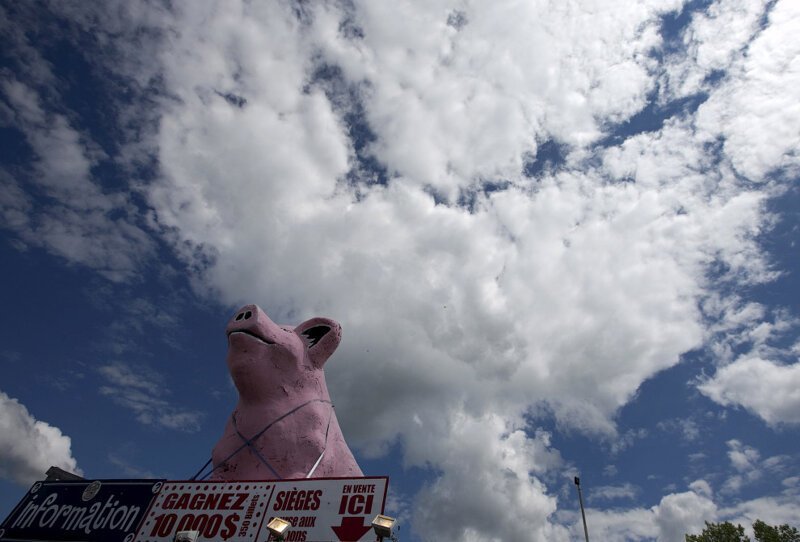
x: 321, y: 336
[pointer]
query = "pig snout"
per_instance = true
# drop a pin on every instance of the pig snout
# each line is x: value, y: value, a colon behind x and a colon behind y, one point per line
x: 251, y: 320
x: 243, y: 315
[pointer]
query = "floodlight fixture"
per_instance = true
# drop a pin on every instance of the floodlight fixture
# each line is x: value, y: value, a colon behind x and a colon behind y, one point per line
x: 277, y: 527
x: 186, y: 536
x: 382, y: 525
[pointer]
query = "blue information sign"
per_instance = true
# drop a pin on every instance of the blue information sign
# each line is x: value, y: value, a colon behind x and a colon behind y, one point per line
x: 100, y: 510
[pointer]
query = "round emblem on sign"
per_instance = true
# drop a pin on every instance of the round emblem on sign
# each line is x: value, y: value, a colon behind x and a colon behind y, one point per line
x: 156, y: 487
x: 2, y: 533
x: 36, y: 487
x: 91, y: 491
x: 129, y: 538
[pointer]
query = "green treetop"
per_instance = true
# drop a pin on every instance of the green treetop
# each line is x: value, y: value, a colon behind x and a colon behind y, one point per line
x: 728, y: 532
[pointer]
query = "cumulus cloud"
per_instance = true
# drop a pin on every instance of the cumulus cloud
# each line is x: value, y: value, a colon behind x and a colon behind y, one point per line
x: 756, y: 370
x: 323, y: 159
x: 754, y: 110
x: 514, y: 293
x: 743, y: 458
x: 487, y: 489
x: 141, y: 391
x: 766, y: 388
x: 451, y: 104
x: 687, y: 428
x: 681, y: 513
x: 56, y: 200
x: 771, y: 510
x: 73, y: 219
x: 129, y: 469
x: 678, y: 514
x: 674, y: 516
x: 749, y: 327
x: 28, y: 447
x: 624, y: 491
x: 748, y: 467
x: 617, y: 525
x: 746, y: 461
x: 714, y: 40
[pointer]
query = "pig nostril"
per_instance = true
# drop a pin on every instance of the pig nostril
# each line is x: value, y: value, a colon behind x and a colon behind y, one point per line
x: 247, y: 315
x: 239, y: 316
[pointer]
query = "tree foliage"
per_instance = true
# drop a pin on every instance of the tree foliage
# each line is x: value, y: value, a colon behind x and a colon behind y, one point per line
x: 719, y: 532
x: 781, y: 533
x: 728, y: 532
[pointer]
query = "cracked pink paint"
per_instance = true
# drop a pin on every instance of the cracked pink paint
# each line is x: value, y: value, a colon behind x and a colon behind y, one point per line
x: 278, y: 369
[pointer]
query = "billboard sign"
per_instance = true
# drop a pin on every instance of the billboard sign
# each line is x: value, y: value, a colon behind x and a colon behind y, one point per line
x: 80, y: 510
x: 319, y: 510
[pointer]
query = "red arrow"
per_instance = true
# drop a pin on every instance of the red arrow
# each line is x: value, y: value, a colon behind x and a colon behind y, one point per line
x: 351, y: 529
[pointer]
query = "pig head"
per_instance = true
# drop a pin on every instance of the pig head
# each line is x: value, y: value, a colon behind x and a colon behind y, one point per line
x: 284, y: 425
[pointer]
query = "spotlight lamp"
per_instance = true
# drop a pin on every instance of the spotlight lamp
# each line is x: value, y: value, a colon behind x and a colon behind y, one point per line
x: 382, y: 525
x: 277, y: 527
x: 186, y: 536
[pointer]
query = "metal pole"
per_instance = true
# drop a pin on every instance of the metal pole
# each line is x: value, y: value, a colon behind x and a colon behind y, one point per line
x: 583, y: 514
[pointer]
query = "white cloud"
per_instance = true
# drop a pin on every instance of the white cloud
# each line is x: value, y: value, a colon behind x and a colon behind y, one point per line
x: 678, y: 514
x: 771, y: 510
x: 745, y: 326
x: 141, y: 391
x: 129, y: 469
x: 669, y: 521
x: 714, y: 40
x: 746, y: 461
x: 486, y: 490
x: 681, y: 513
x: 755, y: 370
x: 72, y: 217
x: 743, y: 458
x: 792, y: 485
x: 627, y: 439
x: 556, y: 295
x: 617, y: 525
x: 687, y: 427
x: 755, y: 110
x: 748, y: 467
x: 399, y: 506
x: 454, y: 105
x: 544, y: 293
x: 701, y: 487
x: 624, y: 491
x: 674, y: 516
x: 28, y: 447
x: 766, y: 388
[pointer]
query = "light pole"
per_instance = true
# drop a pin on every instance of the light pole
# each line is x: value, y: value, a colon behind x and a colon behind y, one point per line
x: 583, y: 514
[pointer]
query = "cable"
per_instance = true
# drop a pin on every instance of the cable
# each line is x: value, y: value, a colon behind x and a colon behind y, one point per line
x: 249, y: 442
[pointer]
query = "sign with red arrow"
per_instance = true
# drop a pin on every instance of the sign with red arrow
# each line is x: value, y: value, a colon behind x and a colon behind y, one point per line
x: 318, y: 509
x: 352, y: 529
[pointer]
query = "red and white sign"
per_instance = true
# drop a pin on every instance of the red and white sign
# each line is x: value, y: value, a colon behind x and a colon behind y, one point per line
x: 319, y: 509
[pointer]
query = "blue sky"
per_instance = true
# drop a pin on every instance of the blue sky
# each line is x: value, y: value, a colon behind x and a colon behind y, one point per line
x: 560, y: 239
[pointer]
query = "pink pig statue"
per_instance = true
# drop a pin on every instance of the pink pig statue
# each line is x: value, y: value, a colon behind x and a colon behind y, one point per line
x: 284, y: 425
